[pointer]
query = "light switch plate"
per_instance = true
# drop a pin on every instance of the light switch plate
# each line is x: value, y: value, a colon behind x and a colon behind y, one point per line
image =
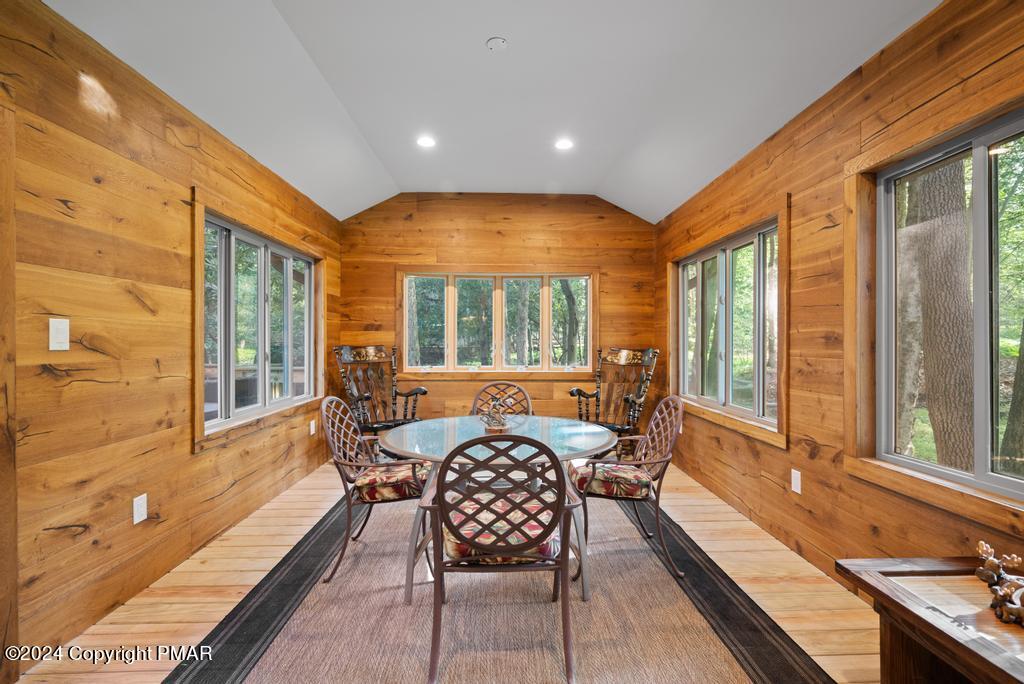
x: 60, y: 334
x: 794, y: 480
x: 140, y: 508
x: 312, y: 427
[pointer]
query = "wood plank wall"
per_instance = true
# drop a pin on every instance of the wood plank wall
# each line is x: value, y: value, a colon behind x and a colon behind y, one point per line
x: 8, y: 417
x: 105, y: 165
x: 505, y: 231
x: 961, y: 65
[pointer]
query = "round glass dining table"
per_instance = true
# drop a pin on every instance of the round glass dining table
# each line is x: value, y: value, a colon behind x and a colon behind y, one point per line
x: 432, y: 440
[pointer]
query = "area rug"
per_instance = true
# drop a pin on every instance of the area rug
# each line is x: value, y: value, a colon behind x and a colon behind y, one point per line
x: 641, y: 625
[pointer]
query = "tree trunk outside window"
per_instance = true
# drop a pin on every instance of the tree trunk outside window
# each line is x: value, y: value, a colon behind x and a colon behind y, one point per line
x: 571, y: 322
x: 937, y: 199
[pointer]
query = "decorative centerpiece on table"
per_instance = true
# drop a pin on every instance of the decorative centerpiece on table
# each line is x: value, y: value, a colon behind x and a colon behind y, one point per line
x: 1007, y: 589
x: 494, y: 420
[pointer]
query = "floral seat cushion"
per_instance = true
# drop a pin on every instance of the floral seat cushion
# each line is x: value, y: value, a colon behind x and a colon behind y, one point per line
x: 611, y: 479
x: 470, y: 527
x: 379, y: 483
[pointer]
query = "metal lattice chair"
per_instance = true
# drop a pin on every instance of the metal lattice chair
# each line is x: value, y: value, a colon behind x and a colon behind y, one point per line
x: 500, y: 503
x: 638, y: 474
x: 370, y: 378
x: 364, y: 475
x: 514, y: 399
x: 621, y: 381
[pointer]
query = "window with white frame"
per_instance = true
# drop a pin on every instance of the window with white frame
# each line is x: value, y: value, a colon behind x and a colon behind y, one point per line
x: 520, y: 322
x: 950, y: 272
x: 258, y: 325
x: 729, y: 325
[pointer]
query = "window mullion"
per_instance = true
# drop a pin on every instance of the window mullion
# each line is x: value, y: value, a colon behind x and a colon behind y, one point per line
x: 545, y: 323
x: 699, y: 354
x: 263, y: 318
x: 289, y: 271
x: 223, y: 324
x: 723, y: 325
x: 232, y: 334
x: 982, y: 280
x: 759, y: 321
x: 683, y: 341
x: 309, y: 336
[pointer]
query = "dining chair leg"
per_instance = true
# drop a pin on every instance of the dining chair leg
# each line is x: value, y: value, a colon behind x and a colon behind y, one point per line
x: 636, y: 509
x: 414, y: 540
x: 586, y: 516
x: 586, y: 524
x: 563, y: 577
x: 661, y: 533
x: 554, y: 587
x: 435, y: 633
x: 427, y: 553
x: 344, y: 543
x: 362, y: 527
x: 579, y: 524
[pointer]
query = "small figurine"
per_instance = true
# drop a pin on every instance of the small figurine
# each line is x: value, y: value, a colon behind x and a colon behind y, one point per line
x: 1007, y: 590
x: 494, y: 420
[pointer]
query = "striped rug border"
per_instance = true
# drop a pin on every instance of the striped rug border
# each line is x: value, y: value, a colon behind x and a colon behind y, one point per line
x: 762, y: 649
x: 744, y: 627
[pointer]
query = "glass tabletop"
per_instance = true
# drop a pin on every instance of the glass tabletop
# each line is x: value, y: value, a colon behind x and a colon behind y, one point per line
x: 433, y: 439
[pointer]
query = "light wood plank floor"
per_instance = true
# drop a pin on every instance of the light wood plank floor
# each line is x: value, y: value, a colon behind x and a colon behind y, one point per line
x: 835, y: 627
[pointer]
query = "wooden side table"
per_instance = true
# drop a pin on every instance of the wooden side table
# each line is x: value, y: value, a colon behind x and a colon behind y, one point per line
x: 936, y: 623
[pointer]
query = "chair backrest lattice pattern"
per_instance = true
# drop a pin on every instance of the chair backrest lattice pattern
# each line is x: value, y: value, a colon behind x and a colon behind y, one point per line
x: 514, y: 399
x: 369, y: 377
x: 343, y: 436
x: 660, y: 438
x: 501, y: 495
x: 621, y: 373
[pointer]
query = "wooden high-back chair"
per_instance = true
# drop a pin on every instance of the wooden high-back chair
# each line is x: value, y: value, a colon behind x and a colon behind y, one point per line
x: 621, y: 381
x: 370, y: 378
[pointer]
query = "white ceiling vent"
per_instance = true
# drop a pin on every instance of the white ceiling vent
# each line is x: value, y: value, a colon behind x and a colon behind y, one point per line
x: 496, y: 44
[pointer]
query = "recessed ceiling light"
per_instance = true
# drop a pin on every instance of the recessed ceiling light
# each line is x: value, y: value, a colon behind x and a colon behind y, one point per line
x: 564, y: 144
x: 426, y: 141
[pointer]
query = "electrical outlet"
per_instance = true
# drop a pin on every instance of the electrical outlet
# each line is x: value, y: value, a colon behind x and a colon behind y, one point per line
x: 312, y: 427
x: 140, y: 508
x: 794, y: 480
x: 60, y: 334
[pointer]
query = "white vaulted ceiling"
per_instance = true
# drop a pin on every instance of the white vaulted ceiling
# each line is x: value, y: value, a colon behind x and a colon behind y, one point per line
x: 659, y: 96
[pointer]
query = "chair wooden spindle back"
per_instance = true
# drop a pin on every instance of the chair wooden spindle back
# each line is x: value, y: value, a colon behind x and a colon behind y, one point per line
x: 367, y: 374
x: 623, y: 373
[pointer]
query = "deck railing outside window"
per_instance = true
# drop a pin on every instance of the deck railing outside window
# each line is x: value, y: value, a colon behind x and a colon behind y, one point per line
x: 729, y: 320
x: 258, y: 327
